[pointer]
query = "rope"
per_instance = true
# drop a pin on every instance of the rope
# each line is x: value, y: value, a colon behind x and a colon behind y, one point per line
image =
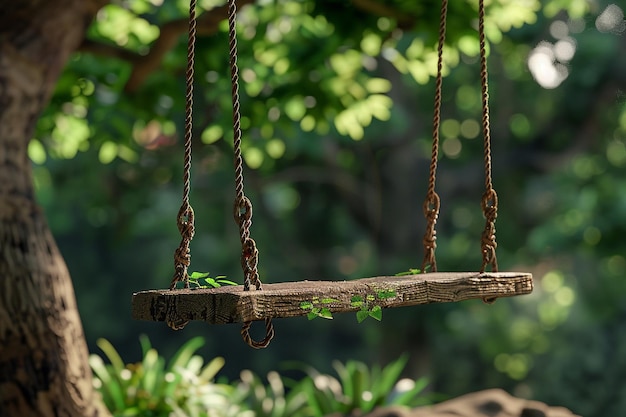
x: 242, y: 211
x: 185, y: 218
x: 489, y: 201
x: 432, y: 202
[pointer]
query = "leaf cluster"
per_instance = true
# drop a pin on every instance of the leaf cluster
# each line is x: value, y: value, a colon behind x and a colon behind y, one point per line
x: 319, y: 308
x: 359, y: 387
x: 187, y: 387
x: 204, y: 280
x: 183, y: 387
x: 367, y: 306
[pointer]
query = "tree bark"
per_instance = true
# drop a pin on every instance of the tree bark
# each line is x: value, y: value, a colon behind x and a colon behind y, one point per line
x: 43, y: 354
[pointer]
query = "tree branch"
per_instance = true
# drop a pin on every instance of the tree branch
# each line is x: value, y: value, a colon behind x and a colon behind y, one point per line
x: 144, y: 65
x: 377, y: 8
x: 108, y: 50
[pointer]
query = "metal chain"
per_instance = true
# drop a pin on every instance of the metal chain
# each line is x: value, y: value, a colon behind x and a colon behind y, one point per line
x: 185, y: 218
x: 242, y: 211
x: 489, y: 202
x: 432, y: 202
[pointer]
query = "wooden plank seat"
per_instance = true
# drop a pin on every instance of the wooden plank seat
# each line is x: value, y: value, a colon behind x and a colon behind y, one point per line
x: 231, y: 304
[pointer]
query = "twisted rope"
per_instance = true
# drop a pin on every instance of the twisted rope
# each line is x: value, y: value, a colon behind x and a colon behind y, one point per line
x: 185, y: 218
x: 242, y: 211
x: 432, y: 202
x: 489, y: 202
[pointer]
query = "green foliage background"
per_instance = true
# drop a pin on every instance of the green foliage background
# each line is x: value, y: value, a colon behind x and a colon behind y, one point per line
x: 337, y: 106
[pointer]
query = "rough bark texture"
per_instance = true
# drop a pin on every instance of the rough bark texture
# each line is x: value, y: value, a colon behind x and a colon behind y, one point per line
x: 43, y: 354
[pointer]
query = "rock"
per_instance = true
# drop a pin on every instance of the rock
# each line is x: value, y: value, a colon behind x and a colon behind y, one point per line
x: 489, y: 403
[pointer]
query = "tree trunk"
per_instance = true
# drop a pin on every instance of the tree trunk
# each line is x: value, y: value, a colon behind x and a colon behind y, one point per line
x: 43, y: 354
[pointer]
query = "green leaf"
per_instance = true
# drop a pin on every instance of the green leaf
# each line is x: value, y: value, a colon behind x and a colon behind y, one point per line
x: 186, y: 351
x: 356, y: 301
x: 152, y: 371
x: 112, y: 392
x: 345, y: 376
x: 226, y: 282
x: 111, y: 354
x: 384, y: 294
x: 144, y: 341
x: 370, y: 297
x: 362, y: 315
x: 411, y: 271
x: 312, y: 315
x: 391, y: 373
x: 376, y: 313
x: 306, y: 305
x: 198, y: 275
x: 212, y: 282
x: 326, y: 313
x: 329, y: 300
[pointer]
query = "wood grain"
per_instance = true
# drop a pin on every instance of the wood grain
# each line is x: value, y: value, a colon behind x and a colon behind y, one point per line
x: 230, y: 304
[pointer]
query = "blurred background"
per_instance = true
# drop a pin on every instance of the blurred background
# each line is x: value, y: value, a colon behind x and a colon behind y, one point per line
x: 337, y: 103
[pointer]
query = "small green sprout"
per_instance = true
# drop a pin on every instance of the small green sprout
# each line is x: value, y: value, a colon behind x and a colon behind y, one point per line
x: 317, y: 309
x: 204, y: 280
x: 413, y: 271
x: 366, y: 309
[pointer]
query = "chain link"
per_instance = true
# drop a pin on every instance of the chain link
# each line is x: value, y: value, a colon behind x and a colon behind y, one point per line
x: 432, y: 203
x: 242, y: 211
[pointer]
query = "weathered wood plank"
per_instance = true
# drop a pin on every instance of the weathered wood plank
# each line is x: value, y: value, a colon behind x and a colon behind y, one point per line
x: 230, y: 304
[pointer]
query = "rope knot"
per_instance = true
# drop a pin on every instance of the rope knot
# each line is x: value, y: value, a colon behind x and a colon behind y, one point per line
x: 489, y: 205
x: 182, y: 254
x: 249, y: 250
x: 431, y: 206
x: 185, y: 222
x: 431, y: 213
x: 242, y: 211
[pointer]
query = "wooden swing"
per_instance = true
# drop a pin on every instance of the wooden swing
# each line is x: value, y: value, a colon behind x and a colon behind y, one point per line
x: 256, y: 301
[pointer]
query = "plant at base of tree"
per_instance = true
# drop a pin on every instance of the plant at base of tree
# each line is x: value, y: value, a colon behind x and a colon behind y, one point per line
x: 185, y: 387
